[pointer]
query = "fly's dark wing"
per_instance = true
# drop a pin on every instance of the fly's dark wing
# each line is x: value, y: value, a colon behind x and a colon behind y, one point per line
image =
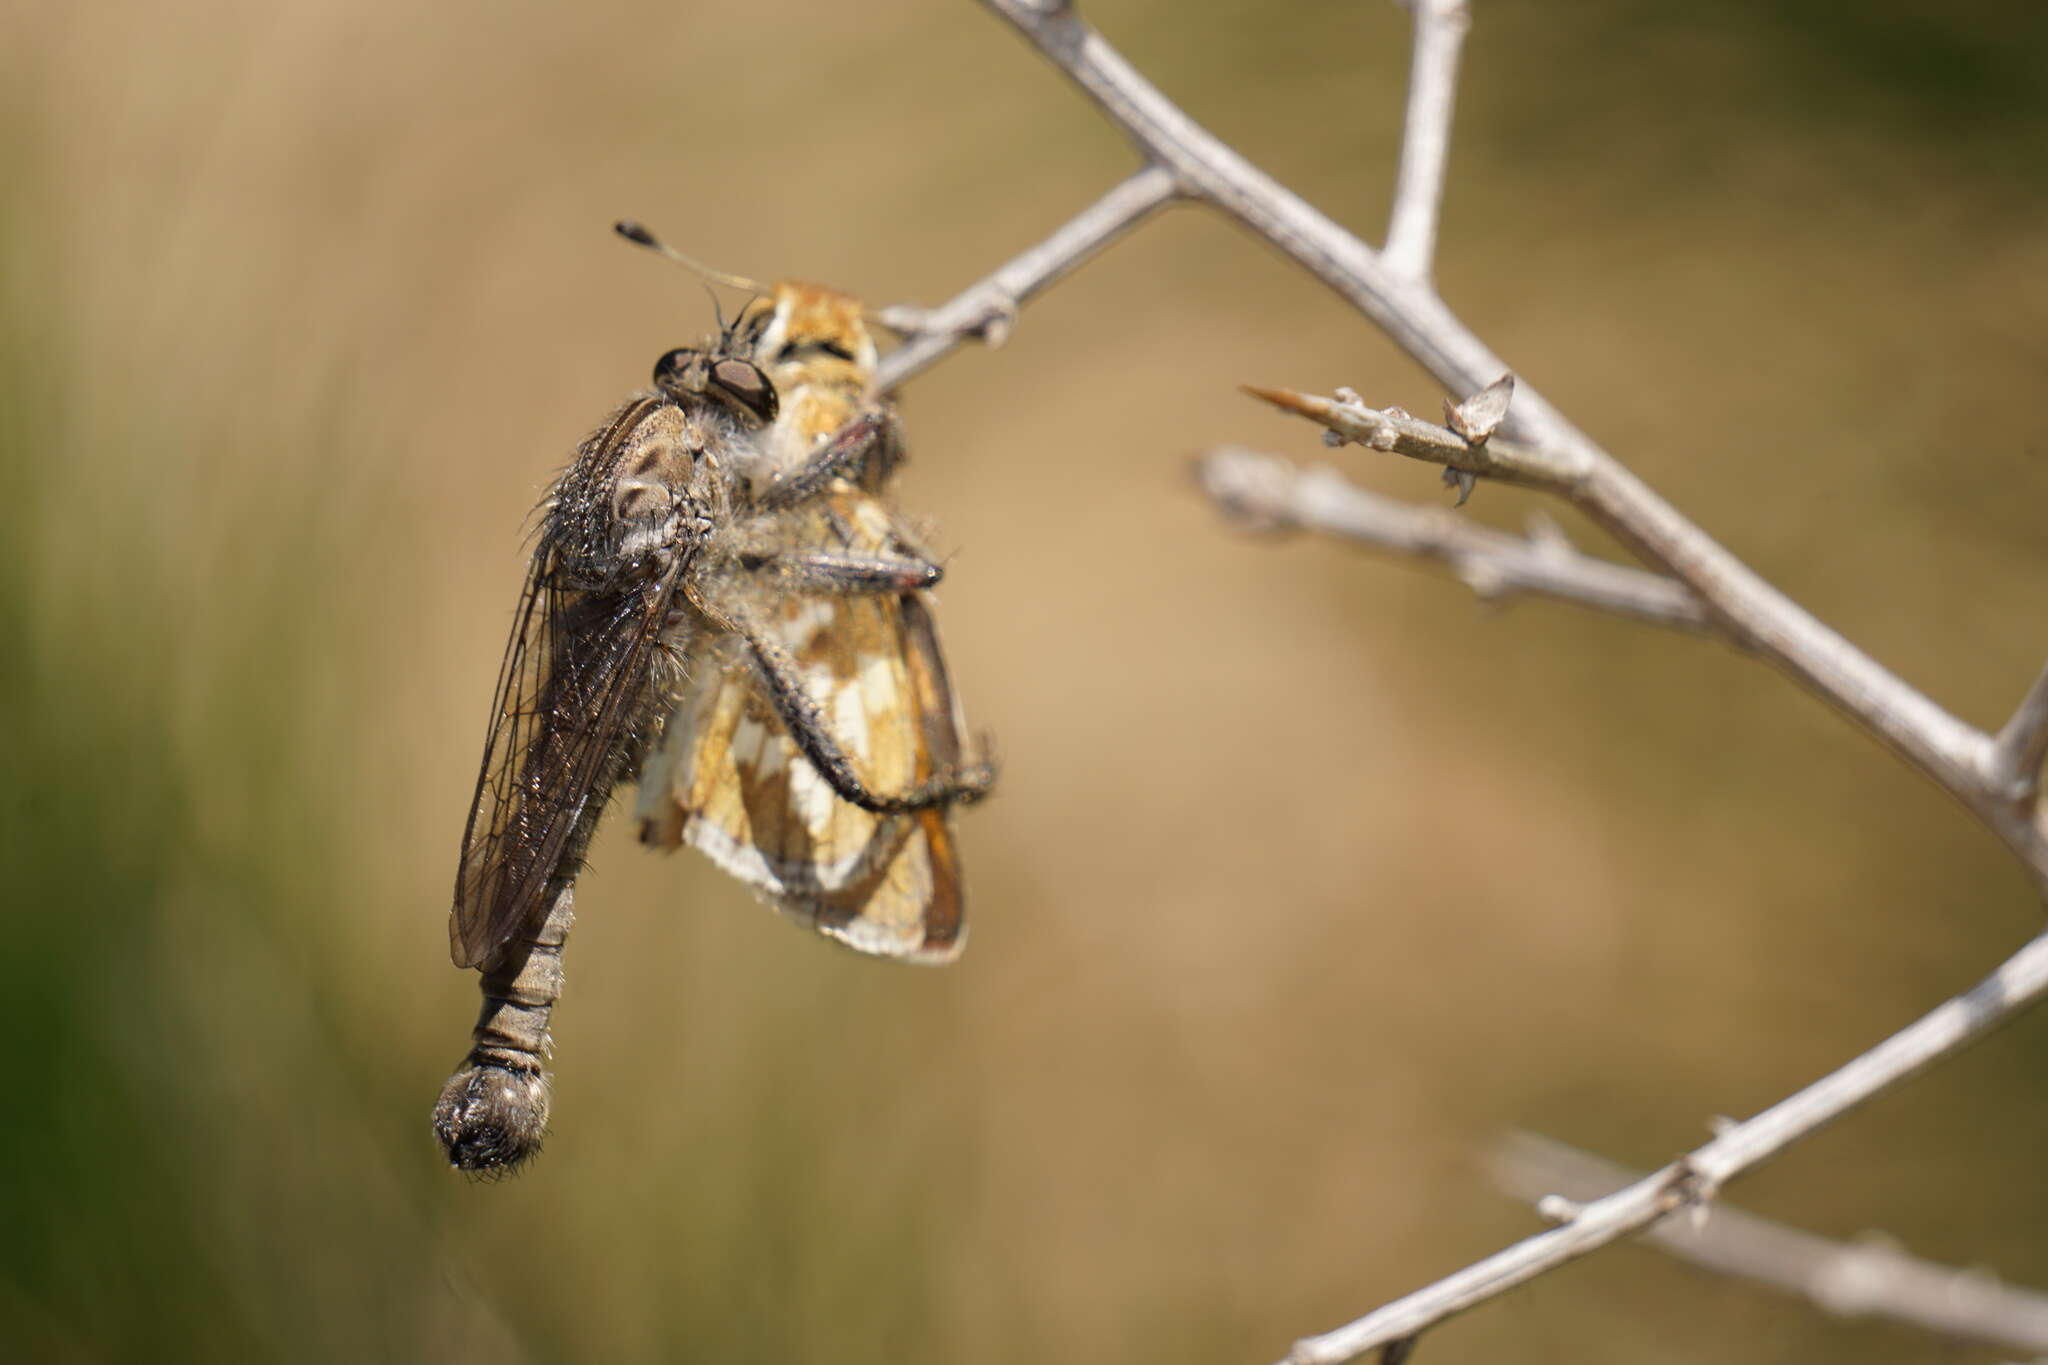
x: 570, y: 691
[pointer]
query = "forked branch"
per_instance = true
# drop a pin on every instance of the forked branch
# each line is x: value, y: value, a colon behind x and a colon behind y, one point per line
x: 1865, y: 1278
x: 1699, y: 1176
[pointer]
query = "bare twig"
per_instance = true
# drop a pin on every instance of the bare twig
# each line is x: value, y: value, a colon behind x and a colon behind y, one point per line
x: 1268, y: 493
x: 1396, y: 433
x: 987, y: 308
x: 2014, y: 765
x: 1440, y: 27
x: 1747, y: 608
x: 1697, y: 1177
x: 1866, y: 1278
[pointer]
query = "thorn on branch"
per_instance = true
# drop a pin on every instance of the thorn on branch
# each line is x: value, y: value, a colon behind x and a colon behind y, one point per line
x: 1467, y: 446
x: 1476, y: 419
x: 1479, y: 416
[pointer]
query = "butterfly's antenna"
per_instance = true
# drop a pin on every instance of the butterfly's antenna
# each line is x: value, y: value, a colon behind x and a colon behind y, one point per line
x: 718, y: 314
x: 640, y: 236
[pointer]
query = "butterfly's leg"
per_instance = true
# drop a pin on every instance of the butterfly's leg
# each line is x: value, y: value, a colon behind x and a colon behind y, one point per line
x: 869, y: 444
x: 848, y: 574
x: 806, y: 723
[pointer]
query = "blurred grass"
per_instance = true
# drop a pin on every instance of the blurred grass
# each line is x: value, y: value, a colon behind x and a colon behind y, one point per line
x: 1307, y: 875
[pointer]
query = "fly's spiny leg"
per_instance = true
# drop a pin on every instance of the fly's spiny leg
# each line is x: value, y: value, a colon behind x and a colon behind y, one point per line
x: 806, y: 724
x: 494, y: 1110
x: 848, y: 575
x: 862, y: 451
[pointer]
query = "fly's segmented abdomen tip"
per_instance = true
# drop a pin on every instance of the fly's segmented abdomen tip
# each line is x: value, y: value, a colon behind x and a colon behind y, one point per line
x: 490, y: 1118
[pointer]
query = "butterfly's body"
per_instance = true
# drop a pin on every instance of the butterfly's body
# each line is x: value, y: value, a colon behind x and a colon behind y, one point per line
x: 731, y: 781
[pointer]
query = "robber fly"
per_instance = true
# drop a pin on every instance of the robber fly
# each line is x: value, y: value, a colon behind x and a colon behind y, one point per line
x: 721, y: 603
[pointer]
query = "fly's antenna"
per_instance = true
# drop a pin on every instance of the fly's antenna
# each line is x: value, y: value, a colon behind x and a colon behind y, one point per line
x: 640, y: 236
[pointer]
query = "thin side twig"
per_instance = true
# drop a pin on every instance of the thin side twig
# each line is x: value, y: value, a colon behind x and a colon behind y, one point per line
x: 1697, y: 1177
x: 1440, y: 27
x: 1395, y: 432
x: 1748, y: 609
x: 1864, y: 1278
x: 1265, y: 492
x: 988, y: 308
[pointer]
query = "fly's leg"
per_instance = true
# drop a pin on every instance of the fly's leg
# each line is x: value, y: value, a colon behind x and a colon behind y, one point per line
x: 848, y: 575
x: 862, y: 451
x: 806, y: 723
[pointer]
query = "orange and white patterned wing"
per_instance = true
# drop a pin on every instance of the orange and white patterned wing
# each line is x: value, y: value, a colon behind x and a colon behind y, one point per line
x: 730, y: 780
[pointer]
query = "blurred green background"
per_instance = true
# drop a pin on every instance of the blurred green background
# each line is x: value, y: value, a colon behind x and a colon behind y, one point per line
x: 1308, y: 874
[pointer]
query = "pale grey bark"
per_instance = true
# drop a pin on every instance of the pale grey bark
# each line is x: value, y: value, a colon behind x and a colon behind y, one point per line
x: 1264, y: 492
x: 1867, y: 1277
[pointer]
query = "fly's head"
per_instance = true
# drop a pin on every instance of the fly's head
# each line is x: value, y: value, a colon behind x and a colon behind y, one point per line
x: 727, y: 382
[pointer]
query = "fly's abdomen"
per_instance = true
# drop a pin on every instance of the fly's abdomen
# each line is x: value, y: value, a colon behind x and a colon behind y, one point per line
x: 493, y: 1112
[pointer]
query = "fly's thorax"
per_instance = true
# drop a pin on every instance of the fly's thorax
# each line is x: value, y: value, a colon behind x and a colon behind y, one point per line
x: 666, y: 492
x: 651, y: 482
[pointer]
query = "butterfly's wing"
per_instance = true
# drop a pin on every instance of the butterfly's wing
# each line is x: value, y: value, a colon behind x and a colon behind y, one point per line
x: 570, y: 689
x: 730, y: 780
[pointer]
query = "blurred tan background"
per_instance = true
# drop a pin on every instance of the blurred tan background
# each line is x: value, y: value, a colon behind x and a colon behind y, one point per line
x: 1308, y: 874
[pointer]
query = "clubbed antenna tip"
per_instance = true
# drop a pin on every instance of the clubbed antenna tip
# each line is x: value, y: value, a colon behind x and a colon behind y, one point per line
x: 640, y: 236
x: 634, y: 232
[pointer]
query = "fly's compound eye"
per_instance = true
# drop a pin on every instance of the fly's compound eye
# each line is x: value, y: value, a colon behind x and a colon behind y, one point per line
x: 669, y: 371
x: 744, y: 383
